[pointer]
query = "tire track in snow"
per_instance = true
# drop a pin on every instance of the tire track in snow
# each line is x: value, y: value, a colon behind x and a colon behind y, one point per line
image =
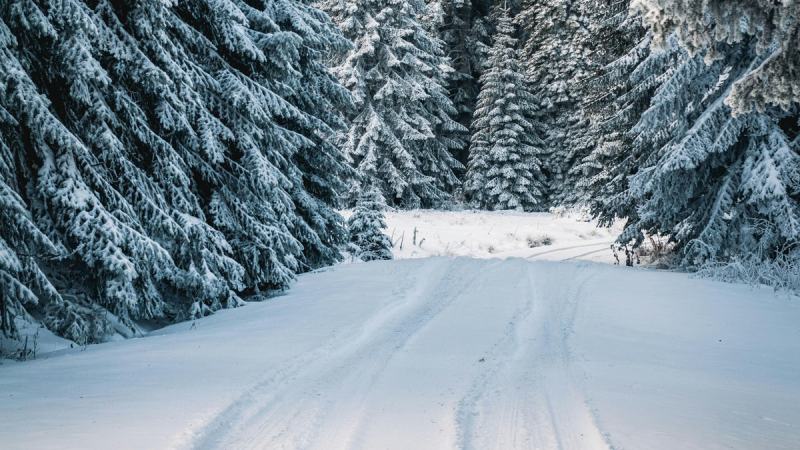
x: 468, y: 407
x: 531, y: 397
x: 584, y: 254
x: 535, y: 256
x: 301, y: 403
x: 574, y: 423
x: 245, y: 406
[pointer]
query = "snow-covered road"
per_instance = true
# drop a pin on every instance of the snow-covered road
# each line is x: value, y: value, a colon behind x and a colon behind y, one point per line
x: 437, y: 353
x: 410, y: 376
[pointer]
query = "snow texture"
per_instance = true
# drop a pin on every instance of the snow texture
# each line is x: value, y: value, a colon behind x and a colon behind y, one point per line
x: 499, y: 234
x: 436, y: 353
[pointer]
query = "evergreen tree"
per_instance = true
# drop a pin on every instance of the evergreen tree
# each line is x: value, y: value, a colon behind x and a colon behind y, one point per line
x: 616, y: 98
x: 367, y: 242
x: 162, y: 158
x: 465, y: 30
x: 562, y: 53
x: 400, y: 132
x: 620, y: 153
x: 702, y: 24
x: 717, y: 184
x: 613, y: 102
x: 505, y: 166
x: 318, y: 171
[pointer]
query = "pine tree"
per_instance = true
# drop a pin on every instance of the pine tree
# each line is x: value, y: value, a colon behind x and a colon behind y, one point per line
x: 627, y: 151
x: 719, y: 185
x: 176, y: 156
x: 465, y: 31
x: 565, y: 49
x: 318, y: 170
x: 399, y: 138
x: 612, y: 102
x: 367, y: 242
x: 505, y: 166
x: 616, y: 98
x: 702, y: 24
x: 22, y: 283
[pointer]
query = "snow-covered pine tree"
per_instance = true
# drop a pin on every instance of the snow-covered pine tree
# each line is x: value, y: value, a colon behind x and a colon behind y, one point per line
x: 505, y: 153
x: 23, y: 286
x: 701, y: 24
x: 455, y: 32
x: 399, y: 138
x: 614, y: 102
x: 82, y: 192
x: 615, y: 99
x: 465, y: 30
x: 174, y: 158
x: 621, y: 152
x: 561, y: 54
x: 718, y: 185
x: 317, y: 170
x: 366, y: 240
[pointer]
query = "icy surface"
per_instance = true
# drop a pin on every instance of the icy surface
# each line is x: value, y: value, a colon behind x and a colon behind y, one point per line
x: 436, y: 353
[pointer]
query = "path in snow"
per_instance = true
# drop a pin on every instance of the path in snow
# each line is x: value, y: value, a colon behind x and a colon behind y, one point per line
x: 436, y: 353
x: 350, y: 392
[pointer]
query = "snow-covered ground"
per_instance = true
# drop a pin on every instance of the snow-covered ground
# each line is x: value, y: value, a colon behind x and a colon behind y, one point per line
x: 437, y: 353
x: 499, y: 234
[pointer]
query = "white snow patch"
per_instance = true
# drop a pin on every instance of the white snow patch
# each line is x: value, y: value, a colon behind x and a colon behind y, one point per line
x: 499, y: 234
x: 34, y: 341
x: 436, y: 353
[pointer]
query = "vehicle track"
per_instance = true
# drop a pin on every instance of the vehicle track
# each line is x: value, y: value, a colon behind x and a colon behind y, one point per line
x: 299, y: 405
x: 530, y: 399
x: 572, y: 258
x: 525, y: 395
x: 604, y: 244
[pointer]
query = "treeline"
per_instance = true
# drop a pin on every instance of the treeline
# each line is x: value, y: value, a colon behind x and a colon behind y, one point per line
x: 161, y: 160
x: 679, y: 116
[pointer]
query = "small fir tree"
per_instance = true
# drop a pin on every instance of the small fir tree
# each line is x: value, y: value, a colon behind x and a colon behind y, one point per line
x: 505, y: 169
x: 366, y: 240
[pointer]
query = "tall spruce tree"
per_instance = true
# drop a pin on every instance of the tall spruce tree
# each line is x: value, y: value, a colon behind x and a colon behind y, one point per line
x: 400, y: 136
x: 613, y: 102
x: 162, y: 158
x: 562, y: 53
x: 505, y: 153
x: 622, y: 152
x: 616, y: 98
x: 465, y: 30
x: 719, y: 185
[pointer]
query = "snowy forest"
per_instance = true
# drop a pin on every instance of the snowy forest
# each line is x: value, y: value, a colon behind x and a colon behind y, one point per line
x: 164, y: 159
